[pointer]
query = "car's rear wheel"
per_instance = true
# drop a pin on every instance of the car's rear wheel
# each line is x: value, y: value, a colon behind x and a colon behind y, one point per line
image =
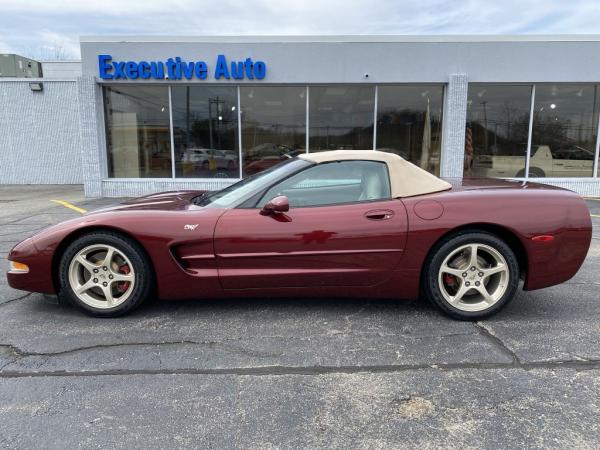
x: 105, y: 274
x: 534, y: 172
x: 471, y: 275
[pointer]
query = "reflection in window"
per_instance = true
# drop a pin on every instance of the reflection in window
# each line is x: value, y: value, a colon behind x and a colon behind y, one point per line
x: 273, y: 125
x: 497, y: 130
x: 341, y: 118
x: 409, y: 123
x: 334, y: 183
x: 205, y: 131
x: 137, y: 131
x: 564, y: 131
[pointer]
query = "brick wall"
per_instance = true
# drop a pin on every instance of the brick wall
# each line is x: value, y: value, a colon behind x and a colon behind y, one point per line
x: 39, y: 133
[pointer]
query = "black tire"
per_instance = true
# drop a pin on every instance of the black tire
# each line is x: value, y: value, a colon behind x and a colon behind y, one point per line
x: 430, y: 280
x: 144, y: 276
x: 534, y: 172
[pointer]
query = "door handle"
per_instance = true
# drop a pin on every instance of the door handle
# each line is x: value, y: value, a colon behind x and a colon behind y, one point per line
x: 379, y: 214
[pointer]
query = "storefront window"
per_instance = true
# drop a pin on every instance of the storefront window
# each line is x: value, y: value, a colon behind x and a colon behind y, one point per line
x: 497, y: 130
x: 205, y: 131
x: 565, y: 125
x: 273, y: 125
x: 341, y: 118
x: 409, y: 123
x: 138, y: 131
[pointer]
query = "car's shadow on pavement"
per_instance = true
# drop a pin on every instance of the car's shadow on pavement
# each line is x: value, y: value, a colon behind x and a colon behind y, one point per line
x: 154, y: 307
x: 524, y: 307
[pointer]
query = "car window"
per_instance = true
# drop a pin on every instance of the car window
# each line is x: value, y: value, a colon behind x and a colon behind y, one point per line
x: 333, y: 183
x: 248, y: 187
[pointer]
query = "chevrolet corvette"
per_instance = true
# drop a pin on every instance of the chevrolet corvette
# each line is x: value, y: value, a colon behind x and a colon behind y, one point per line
x: 331, y: 224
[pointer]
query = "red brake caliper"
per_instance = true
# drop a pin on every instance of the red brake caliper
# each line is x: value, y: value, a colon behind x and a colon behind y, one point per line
x: 122, y: 286
x: 448, y: 279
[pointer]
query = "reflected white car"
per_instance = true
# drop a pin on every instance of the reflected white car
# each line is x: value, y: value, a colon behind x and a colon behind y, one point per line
x: 203, y: 156
x: 564, y: 162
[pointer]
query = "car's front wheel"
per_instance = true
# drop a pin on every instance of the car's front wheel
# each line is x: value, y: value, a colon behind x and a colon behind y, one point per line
x: 105, y: 274
x: 471, y: 275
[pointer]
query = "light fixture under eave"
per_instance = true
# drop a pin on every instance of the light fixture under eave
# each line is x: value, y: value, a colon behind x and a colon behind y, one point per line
x: 552, y: 106
x: 36, y: 87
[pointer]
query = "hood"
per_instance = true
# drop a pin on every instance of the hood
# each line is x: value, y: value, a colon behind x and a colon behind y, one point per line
x: 166, y: 201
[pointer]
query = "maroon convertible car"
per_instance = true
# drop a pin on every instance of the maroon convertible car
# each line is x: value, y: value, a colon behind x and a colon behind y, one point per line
x: 341, y: 223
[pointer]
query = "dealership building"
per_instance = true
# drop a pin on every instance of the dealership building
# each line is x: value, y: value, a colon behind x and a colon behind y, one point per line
x: 144, y: 114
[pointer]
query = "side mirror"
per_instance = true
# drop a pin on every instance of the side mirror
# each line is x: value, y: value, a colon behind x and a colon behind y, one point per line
x: 276, y: 205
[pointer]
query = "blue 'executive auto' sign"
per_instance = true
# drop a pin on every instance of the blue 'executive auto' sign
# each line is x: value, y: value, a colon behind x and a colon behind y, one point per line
x: 177, y: 69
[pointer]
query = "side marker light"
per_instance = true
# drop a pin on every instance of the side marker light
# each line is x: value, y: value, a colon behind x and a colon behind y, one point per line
x: 18, y: 267
x: 543, y: 238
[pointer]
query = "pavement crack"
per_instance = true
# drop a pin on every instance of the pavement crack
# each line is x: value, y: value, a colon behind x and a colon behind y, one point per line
x: 19, y: 353
x: 276, y: 370
x: 14, y: 300
x: 499, y: 343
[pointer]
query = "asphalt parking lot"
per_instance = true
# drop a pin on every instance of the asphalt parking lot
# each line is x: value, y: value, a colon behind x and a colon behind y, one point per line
x: 275, y: 373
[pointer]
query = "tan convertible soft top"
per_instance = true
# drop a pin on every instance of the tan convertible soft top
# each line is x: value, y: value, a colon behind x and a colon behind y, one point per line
x: 406, y: 179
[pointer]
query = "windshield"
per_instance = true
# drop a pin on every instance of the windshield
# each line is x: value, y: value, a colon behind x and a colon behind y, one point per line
x: 246, y: 188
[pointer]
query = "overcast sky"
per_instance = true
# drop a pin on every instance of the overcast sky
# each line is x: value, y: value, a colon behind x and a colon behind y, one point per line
x: 45, y: 28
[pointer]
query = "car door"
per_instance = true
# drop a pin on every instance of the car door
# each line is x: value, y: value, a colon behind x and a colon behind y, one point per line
x: 342, y: 229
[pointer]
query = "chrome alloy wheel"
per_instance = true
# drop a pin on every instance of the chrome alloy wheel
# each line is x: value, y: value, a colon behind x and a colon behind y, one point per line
x: 473, y: 277
x: 101, y: 276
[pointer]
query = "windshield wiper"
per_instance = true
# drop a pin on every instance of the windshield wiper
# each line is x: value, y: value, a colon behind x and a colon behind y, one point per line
x: 200, y: 200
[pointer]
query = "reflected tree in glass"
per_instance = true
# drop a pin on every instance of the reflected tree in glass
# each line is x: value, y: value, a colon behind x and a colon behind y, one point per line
x: 273, y: 125
x: 341, y: 118
x: 409, y: 123
x: 565, y: 125
x: 205, y: 131
x: 497, y: 130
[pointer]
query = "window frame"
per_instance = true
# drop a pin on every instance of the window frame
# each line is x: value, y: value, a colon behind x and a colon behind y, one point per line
x: 308, y: 86
x: 530, y: 145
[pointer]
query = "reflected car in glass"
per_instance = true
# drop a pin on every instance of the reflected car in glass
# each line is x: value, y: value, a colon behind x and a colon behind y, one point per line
x: 206, y: 158
x: 568, y: 161
x: 330, y: 224
x: 263, y: 156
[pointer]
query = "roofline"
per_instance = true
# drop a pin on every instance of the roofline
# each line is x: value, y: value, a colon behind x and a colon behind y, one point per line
x: 59, y: 61
x: 349, y: 38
